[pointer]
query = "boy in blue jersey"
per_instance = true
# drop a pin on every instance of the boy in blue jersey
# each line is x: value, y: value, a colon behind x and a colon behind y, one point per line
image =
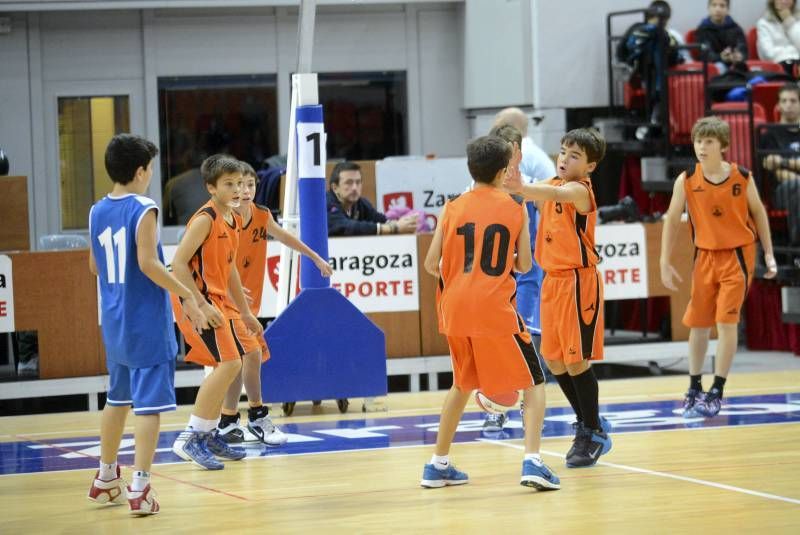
x: 136, y: 320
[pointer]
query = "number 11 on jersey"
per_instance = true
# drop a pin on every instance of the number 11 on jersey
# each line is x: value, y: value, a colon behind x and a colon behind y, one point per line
x: 115, y: 266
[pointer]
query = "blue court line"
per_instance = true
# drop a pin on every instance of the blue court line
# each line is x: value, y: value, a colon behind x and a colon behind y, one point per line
x: 371, y: 432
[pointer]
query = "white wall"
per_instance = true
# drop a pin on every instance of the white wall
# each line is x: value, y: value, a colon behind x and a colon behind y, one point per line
x: 58, y: 53
x: 570, y: 51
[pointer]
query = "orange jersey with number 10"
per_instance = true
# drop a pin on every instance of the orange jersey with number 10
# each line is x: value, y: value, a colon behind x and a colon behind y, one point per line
x: 477, y: 290
x: 251, y: 258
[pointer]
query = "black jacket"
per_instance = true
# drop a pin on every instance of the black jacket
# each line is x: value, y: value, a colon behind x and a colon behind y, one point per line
x: 363, y: 221
x: 718, y: 37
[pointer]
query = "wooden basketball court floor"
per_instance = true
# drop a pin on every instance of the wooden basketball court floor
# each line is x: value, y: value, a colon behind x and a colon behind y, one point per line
x: 359, y: 473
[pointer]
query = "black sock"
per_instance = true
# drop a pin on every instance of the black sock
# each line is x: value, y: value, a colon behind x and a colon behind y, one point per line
x: 254, y: 413
x: 227, y: 419
x: 719, y: 384
x: 695, y: 382
x: 586, y: 388
x: 565, y: 382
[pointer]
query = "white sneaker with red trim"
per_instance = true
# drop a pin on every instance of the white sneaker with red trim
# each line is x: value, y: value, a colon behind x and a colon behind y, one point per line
x: 110, y: 491
x: 143, y: 502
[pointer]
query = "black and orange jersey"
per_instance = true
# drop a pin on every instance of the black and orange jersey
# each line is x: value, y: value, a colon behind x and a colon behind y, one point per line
x: 565, y: 238
x: 718, y: 213
x: 212, y: 262
x: 476, y: 294
x: 251, y: 257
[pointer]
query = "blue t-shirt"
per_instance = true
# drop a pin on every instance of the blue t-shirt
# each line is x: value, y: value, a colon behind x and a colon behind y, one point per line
x: 135, y: 313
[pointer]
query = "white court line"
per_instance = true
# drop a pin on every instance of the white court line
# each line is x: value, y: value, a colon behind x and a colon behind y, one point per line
x: 660, y: 474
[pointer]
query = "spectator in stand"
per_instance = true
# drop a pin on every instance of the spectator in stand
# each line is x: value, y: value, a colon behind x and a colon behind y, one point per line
x: 784, y: 161
x: 727, y: 46
x: 779, y: 34
x: 349, y: 214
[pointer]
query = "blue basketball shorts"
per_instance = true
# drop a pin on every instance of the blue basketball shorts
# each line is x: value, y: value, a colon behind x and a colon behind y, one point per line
x: 150, y: 390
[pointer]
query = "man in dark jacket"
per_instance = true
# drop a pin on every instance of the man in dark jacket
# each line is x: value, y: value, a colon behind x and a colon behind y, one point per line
x: 727, y: 46
x: 351, y: 215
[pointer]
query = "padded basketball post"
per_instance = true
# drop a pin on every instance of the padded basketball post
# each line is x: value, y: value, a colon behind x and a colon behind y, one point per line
x: 321, y: 345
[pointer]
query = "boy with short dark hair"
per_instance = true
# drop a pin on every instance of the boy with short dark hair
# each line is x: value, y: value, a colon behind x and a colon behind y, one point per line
x: 472, y: 255
x: 727, y: 216
x: 257, y: 224
x: 205, y: 261
x: 572, y: 292
x: 136, y: 320
x: 727, y: 45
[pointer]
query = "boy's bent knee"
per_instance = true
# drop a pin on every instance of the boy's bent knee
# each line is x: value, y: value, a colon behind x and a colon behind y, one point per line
x: 577, y: 368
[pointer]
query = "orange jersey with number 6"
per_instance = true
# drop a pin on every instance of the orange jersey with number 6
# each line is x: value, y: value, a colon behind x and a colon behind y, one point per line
x: 477, y: 290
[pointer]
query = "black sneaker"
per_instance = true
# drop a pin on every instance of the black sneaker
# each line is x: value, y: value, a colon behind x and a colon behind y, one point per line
x: 590, y: 445
x: 689, y: 401
x: 578, y: 427
x: 232, y: 433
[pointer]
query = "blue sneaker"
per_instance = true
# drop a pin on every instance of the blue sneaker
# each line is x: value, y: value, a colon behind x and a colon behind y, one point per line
x: 605, y: 425
x: 538, y: 476
x: 193, y: 446
x: 433, y: 478
x: 589, y: 446
x: 690, y: 400
x: 220, y: 448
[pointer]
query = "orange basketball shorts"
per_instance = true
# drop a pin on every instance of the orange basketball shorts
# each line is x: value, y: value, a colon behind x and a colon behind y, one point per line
x: 228, y: 342
x: 572, y: 315
x: 495, y: 364
x: 720, y: 281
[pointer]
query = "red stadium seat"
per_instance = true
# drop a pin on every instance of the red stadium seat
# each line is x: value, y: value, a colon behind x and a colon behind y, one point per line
x: 686, y: 101
x: 752, y: 39
x: 762, y: 65
x: 690, y: 40
x: 735, y: 114
x: 766, y: 94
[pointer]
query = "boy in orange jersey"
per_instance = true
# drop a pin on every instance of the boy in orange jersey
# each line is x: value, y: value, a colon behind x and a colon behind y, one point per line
x: 489, y: 344
x: 726, y: 216
x: 205, y: 261
x: 572, y: 291
x: 251, y: 258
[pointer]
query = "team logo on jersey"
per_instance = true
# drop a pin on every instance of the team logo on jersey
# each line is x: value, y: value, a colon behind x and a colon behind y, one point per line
x: 572, y: 350
x: 716, y: 211
x: 230, y: 257
x: 246, y: 263
x: 548, y: 237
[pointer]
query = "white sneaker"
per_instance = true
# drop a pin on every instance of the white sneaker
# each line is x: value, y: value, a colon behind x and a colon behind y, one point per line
x: 267, y: 432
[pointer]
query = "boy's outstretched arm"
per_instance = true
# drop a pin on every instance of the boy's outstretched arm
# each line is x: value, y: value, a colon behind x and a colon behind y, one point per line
x: 669, y: 233
x: 571, y: 192
x: 759, y: 214
x: 435, y: 250
x: 292, y: 241
x: 151, y: 266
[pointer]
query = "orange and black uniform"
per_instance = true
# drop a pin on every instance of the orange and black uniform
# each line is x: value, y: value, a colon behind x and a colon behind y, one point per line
x: 211, y: 267
x: 724, y: 235
x: 476, y: 298
x: 251, y: 259
x: 572, y: 290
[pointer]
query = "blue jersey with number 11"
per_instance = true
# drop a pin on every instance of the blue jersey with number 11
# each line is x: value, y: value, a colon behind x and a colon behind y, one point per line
x: 135, y: 315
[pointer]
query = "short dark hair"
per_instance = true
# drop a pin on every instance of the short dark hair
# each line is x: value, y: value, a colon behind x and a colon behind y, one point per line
x: 486, y: 156
x: 125, y: 154
x: 789, y: 86
x: 342, y: 166
x: 727, y: 3
x: 660, y: 9
x: 589, y: 140
x: 247, y: 170
x: 508, y: 133
x: 217, y: 165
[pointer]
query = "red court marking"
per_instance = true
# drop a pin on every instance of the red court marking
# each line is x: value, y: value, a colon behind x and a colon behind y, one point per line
x: 68, y: 450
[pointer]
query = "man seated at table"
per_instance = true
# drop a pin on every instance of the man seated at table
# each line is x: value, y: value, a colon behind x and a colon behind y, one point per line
x: 349, y: 214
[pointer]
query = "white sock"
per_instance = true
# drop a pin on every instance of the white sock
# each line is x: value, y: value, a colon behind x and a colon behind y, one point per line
x: 440, y: 462
x: 108, y: 471
x: 199, y: 424
x: 140, y: 480
x: 535, y: 457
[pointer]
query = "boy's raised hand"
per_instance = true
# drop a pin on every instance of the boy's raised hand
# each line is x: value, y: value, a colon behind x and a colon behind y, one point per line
x: 512, y: 182
x: 668, y: 276
x: 772, y: 267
